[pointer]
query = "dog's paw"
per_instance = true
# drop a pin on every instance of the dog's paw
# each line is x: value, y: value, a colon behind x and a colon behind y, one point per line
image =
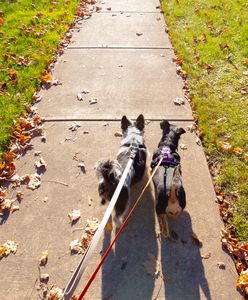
x: 109, y: 225
x: 118, y: 221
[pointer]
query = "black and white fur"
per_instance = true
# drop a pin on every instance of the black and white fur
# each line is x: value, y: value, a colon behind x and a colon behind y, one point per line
x: 109, y: 172
x: 170, y: 199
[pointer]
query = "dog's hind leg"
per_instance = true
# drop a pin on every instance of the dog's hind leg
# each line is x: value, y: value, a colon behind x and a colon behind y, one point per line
x: 164, y: 226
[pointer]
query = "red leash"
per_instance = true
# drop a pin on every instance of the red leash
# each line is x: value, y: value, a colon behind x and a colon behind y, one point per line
x: 80, y: 297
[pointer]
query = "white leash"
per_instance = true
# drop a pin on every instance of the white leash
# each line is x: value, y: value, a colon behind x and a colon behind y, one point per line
x: 69, y: 290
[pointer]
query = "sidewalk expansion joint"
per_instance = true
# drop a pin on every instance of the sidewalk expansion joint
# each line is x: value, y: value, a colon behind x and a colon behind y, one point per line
x: 117, y: 48
x: 50, y: 120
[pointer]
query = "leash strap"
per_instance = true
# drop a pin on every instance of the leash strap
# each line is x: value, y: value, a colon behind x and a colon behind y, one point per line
x: 80, y: 297
x: 69, y: 290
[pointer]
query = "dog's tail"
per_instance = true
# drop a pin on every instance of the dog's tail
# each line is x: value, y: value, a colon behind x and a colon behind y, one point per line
x: 110, y: 170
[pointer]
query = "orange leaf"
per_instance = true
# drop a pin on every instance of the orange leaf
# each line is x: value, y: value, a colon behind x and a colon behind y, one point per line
x: 47, y: 78
x: 226, y: 147
x: 238, y: 150
x: 1, y: 21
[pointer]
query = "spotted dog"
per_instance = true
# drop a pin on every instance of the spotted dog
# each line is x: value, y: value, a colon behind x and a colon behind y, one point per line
x: 109, y: 172
x: 170, y: 193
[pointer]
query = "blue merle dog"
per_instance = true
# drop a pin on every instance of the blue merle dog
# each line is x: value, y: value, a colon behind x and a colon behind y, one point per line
x: 109, y: 172
x: 170, y: 193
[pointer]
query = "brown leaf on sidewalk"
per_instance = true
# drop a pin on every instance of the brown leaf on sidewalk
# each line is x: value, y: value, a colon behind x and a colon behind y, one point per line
x: 43, y: 258
x: 74, y: 216
x: 40, y: 163
x: 44, y: 277
x: 152, y: 265
x: 91, y: 226
x: 8, y: 247
x: 118, y: 134
x: 76, y: 246
x: 206, y: 255
x: 34, y: 181
x: 55, y: 293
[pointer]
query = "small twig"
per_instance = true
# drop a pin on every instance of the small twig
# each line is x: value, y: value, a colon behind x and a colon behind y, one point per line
x: 77, y: 229
x: 63, y: 255
x: 56, y: 181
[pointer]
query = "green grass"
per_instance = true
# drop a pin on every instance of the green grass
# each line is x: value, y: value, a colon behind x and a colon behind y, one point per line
x: 31, y: 29
x: 215, y: 32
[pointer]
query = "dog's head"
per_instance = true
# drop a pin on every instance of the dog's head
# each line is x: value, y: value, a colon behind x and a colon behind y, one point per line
x: 171, y: 135
x: 132, y: 127
x: 108, y: 173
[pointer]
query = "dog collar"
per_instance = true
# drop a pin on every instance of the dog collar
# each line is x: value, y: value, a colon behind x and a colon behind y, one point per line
x: 169, y: 159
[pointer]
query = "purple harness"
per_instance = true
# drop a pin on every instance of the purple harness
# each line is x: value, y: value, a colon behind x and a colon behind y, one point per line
x: 168, y: 158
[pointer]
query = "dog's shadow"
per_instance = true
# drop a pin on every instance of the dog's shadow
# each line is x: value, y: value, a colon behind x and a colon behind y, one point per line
x: 123, y: 273
x: 182, y: 263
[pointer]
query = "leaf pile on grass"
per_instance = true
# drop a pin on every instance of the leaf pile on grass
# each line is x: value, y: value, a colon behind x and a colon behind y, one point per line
x: 210, y: 41
x: 30, y: 32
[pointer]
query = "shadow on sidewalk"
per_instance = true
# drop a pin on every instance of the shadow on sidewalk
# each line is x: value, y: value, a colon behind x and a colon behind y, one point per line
x: 182, y: 263
x: 123, y: 274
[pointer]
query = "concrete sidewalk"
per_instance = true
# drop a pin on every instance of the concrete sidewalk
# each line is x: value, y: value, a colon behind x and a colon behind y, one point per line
x: 127, y: 74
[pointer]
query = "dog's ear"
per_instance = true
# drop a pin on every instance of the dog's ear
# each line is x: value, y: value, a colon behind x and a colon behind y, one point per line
x: 165, y: 125
x: 140, y: 122
x: 125, y: 123
x: 180, y: 131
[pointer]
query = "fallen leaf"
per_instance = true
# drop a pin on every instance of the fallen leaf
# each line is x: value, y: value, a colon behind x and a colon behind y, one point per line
x: 206, y: 256
x: 79, y: 97
x: 6, y: 204
x: 8, y: 247
x: 43, y: 258
x: 74, y: 216
x: 226, y: 147
x: 196, y: 240
x: 85, y: 91
x: 81, y: 165
x: 15, y: 208
x: 139, y: 33
x: 44, y: 277
x: 34, y: 181
x: 76, y: 246
x: 93, y: 101
x: 152, y: 265
x: 242, y: 281
x: 90, y: 201
x: 91, y: 226
x: 118, y: 134
x: 47, y: 79
x: 183, y: 146
x: 238, y: 150
x: 74, y: 126
x: 221, y: 265
x: 85, y: 240
x: 1, y: 21
x: 55, y: 293
x: 40, y: 163
x: 178, y: 60
x: 86, y: 132
x: 198, y: 141
x: 179, y: 101
x: 19, y: 196
x: 246, y: 157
